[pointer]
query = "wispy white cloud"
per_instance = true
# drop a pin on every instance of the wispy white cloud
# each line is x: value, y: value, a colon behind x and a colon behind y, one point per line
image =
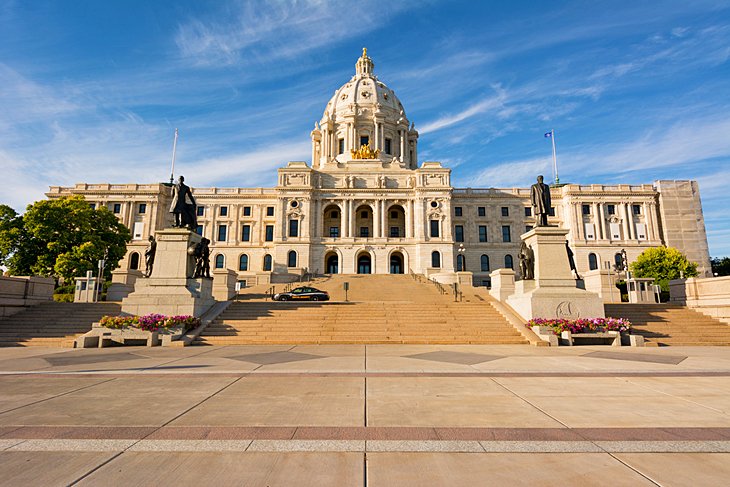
x: 486, y: 105
x: 282, y: 29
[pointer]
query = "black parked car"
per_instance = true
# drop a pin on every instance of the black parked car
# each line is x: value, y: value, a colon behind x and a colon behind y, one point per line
x: 303, y: 293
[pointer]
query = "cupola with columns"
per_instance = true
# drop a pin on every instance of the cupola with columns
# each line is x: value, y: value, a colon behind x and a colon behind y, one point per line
x: 364, y: 124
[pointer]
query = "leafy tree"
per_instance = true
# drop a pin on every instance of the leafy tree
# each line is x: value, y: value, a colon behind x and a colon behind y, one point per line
x: 64, y: 238
x: 11, y: 225
x: 720, y: 266
x: 663, y: 264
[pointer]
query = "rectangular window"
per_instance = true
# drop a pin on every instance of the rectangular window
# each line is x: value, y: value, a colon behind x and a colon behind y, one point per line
x: 459, y: 233
x: 615, y: 231
x: 364, y: 232
x: 341, y: 146
x: 551, y: 212
x: 334, y: 214
x: 388, y: 146
x: 117, y: 208
x: 394, y: 232
x: 434, y: 228
x: 590, y: 232
x: 246, y: 211
x: 394, y: 214
x: 611, y: 209
x: 636, y: 209
x: 269, y: 211
x: 482, y: 211
x: 138, y: 230
x: 363, y: 214
x: 142, y: 208
x: 269, y: 233
x: 246, y: 233
x: 223, y: 211
x: 199, y: 230
x: 506, y: 233
x: 505, y: 211
x: 92, y: 206
x: 334, y: 232
x: 528, y: 211
x: 364, y: 140
x: 293, y: 228
x: 457, y: 211
x: 528, y: 228
x: 641, y: 231
x: 222, y: 231
x: 200, y: 210
x: 482, y: 233
x: 586, y: 209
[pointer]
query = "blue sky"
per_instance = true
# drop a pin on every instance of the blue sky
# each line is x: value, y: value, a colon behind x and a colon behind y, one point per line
x: 91, y: 91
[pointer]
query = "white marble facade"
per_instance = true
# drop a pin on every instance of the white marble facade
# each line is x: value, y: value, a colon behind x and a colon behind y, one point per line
x: 377, y: 209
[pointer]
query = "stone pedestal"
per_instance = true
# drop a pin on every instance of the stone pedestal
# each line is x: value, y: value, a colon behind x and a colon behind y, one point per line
x: 122, y: 284
x: 603, y: 283
x: 224, y: 284
x: 465, y: 278
x: 503, y: 284
x: 553, y: 292
x: 170, y: 290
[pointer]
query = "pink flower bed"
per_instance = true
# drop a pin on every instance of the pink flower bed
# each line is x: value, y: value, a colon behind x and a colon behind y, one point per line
x: 150, y: 322
x: 583, y: 325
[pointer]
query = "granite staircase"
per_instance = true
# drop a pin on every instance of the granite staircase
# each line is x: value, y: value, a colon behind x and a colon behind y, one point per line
x: 52, y: 324
x: 380, y: 309
x: 670, y: 324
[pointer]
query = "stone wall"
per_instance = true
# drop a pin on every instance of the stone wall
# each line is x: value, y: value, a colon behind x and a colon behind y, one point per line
x: 17, y: 293
x: 710, y: 296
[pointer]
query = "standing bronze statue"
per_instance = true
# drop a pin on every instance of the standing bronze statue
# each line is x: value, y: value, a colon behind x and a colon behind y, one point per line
x: 149, y: 256
x: 527, y: 262
x: 183, y: 206
x: 202, y: 259
x: 540, y: 198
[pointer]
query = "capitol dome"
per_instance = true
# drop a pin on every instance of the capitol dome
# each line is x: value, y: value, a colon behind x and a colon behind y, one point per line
x: 364, y: 120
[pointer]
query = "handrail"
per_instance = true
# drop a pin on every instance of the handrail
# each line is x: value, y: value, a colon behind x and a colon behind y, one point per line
x: 271, y: 291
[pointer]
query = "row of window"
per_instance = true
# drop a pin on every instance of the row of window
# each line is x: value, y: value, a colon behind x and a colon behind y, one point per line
x: 459, y: 232
x: 267, y: 263
x: 461, y: 262
x: 611, y: 209
x: 365, y: 140
x: 223, y: 211
x: 116, y: 208
x: 482, y: 211
x: 246, y: 232
x: 618, y: 261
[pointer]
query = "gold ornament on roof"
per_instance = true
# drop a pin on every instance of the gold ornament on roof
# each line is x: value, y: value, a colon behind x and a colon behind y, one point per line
x: 365, y: 152
x: 364, y: 52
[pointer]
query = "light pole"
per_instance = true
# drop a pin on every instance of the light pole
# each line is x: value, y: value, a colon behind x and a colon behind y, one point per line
x: 461, y: 260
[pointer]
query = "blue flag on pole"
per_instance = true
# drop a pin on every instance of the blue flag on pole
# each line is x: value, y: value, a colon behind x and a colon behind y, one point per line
x: 548, y: 134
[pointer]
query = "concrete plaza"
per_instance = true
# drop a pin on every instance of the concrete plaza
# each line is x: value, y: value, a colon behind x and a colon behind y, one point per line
x: 377, y: 415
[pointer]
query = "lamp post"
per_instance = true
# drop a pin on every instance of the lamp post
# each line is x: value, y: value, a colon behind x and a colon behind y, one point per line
x: 461, y: 261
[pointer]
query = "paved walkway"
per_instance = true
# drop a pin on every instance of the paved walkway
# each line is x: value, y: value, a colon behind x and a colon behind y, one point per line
x: 365, y: 415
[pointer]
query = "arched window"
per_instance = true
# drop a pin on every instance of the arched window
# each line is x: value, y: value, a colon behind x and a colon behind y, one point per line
x: 619, y: 260
x: 435, y: 259
x: 291, y: 259
x: 592, y: 261
x: 267, y: 262
x: 220, y: 261
x: 134, y: 261
x: 508, y: 262
x: 243, y: 262
x: 485, y: 263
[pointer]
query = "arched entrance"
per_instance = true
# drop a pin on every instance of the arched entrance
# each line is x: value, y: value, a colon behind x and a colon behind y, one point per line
x: 332, y: 263
x: 364, y: 222
x: 396, y: 263
x: 364, y: 264
x: 396, y: 227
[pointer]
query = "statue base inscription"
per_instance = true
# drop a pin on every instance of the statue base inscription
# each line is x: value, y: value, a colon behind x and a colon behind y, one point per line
x: 553, y: 292
x: 171, y: 290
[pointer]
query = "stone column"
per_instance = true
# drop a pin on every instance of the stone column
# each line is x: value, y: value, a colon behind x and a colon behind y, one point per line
x: 351, y: 222
x: 409, y: 219
x: 384, y: 219
x: 376, y: 220
x: 402, y: 146
x: 602, y: 221
x: 344, y: 220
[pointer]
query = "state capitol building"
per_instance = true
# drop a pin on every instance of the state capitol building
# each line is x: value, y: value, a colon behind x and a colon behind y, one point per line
x: 367, y: 205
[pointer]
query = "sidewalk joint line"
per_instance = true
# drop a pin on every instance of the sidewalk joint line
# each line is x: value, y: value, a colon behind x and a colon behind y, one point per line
x: 59, y: 395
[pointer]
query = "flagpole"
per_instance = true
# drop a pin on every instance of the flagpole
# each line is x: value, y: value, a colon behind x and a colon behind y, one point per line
x: 555, y: 158
x: 174, y: 148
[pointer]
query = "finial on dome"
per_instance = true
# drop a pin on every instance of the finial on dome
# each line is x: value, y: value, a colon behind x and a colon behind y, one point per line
x: 364, y: 65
